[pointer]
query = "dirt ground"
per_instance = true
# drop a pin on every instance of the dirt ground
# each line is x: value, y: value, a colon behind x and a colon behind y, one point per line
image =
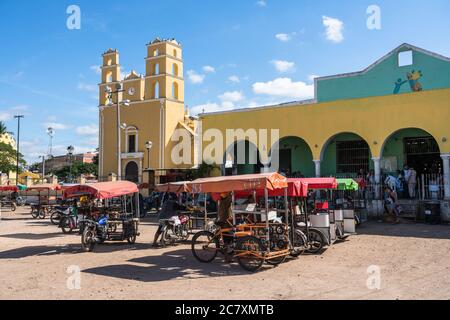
x: 413, y: 259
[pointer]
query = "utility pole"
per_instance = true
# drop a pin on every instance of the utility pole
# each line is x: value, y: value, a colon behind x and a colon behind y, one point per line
x: 18, y: 117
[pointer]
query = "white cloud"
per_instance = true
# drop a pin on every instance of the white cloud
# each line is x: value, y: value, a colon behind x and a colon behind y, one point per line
x: 284, y: 87
x: 87, y: 87
x: 261, y: 3
x: 283, y: 66
x: 195, y: 78
x: 234, y: 79
x: 311, y: 77
x: 56, y: 125
x: 96, y: 69
x: 89, y: 130
x: 284, y: 37
x: 208, y: 69
x: 20, y: 107
x: 5, y: 116
x: 334, y: 28
x: 209, y: 107
x: 232, y: 96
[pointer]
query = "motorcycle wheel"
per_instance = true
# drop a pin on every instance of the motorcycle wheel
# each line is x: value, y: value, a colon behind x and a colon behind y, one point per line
x: 88, y: 240
x: 41, y: 214
x: 34, y: 212
x: 13, y: 207
x: 299, y: 244
x: 66, y: 225
x: 166, y: 239
x: 55, y: 218
x: 204, y: 246
x: 131, y: 239
x: 249, y: 261
x: 316, y: 241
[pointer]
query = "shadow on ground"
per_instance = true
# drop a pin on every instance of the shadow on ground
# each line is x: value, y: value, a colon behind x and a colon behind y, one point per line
x: 30, y: 251
x: 405, y: 229
x: 32, y: 236
x: 179, y: 264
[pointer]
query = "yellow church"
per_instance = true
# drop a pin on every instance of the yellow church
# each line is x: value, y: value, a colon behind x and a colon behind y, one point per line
x: 393, y: 113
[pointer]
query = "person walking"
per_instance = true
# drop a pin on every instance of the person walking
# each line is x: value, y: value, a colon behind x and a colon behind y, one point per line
x: 412, y: 182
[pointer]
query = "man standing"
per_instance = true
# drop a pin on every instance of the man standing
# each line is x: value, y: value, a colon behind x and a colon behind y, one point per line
x: 412, y: 182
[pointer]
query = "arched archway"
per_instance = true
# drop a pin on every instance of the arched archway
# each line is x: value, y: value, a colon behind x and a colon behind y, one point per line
x: 295, y: 157
x: 156, y: 69
x: 175, y: 69
x: 242, y: 157
x: 175, y: 90
x: 132, y: 172
x: 156, y: 90
x: 414, y: 147
x: 344, y: 155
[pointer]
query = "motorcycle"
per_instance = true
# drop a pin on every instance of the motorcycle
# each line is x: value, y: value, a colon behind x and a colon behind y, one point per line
x: 96, y: 232
x: 93, y: 232
x: 68, y: 220
x: 175, y: 229
x: 57, y: 213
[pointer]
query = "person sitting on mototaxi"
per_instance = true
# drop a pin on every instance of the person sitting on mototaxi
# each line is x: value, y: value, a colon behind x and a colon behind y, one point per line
x: 169, y: 209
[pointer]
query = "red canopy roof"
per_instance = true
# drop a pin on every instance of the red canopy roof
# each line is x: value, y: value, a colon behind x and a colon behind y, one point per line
x: 271, y: 181
x: 9, y: 188
x: 102, y: 190
x: 320, y: 183
x: 45, y: 186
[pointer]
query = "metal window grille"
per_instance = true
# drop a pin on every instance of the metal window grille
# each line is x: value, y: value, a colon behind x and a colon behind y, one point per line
x: 351, y: 156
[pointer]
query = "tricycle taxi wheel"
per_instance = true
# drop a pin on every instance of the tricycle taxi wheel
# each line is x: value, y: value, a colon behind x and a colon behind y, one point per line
x: 205, y: 246
x: 253, y: 260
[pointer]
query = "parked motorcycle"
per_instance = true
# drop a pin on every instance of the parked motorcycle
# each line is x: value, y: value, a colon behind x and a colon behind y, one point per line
x: 56, y: 213
x: 93, y: 232
x: 69, y: 220
x: 175, y: 229
x: 96, y: 232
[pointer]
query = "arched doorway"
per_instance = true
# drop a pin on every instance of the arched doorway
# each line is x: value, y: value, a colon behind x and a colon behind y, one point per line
x: 242, y: 157
x: 413, y: 147
x: 132, y: 172
x: 344, y: 155
x: 295, y: 157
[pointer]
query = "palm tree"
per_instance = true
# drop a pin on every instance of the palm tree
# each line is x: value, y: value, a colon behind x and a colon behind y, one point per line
x: 3, y: 129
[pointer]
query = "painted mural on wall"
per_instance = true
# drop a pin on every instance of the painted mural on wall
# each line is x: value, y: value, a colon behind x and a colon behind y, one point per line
x: 412, y: 78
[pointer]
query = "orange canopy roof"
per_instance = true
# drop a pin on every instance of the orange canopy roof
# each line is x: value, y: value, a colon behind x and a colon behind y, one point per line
x: 271, y: 181
x: 102, y: 190
x: 174, y: 187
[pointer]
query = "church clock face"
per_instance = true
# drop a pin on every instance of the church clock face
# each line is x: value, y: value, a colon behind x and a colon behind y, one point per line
x: 131, y: 91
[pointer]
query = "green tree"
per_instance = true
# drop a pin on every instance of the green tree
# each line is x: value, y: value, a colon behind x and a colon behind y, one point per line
x: 8, y: 158
x: 203, y: 171
x: 78, y: 168
x: 3, y: 128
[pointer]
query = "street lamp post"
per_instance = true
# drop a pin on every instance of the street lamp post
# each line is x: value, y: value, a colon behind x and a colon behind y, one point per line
x: 43, y: 167
x: 110, y: 94
x: 18, y: 117
x: 70, y: 150
x: 148, y: 146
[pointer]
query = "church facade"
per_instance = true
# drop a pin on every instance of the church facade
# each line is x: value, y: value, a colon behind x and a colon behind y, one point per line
x: 145, y: 110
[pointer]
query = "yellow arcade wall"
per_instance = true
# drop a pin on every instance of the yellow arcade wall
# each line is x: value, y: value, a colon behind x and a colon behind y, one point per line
x: 375, y: 119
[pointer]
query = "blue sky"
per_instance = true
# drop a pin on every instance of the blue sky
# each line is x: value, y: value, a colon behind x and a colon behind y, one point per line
x: 236, y: 53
